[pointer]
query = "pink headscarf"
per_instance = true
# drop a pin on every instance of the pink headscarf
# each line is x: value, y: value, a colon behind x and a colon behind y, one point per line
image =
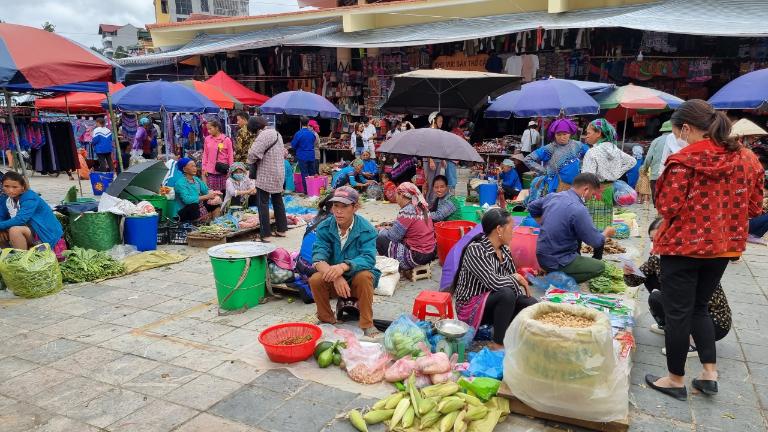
x: 313, y: 124
x: 412, y: 192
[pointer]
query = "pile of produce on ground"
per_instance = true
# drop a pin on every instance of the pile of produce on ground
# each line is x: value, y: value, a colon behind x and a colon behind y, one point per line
x: 403, y: 337
x: 565, y: 319
x: 611, y: 281
x: 612, y: 247
x: 442, y: 407
x: 31, y: 274
x: 329, y: 352
x: 86, y: 265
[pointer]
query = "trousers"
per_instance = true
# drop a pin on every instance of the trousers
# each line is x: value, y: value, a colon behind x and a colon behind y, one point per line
x: 361, y: 287
x: 265, y: 230
x: 501, y: 308
x: 688, y: 286
x: 307, y: 168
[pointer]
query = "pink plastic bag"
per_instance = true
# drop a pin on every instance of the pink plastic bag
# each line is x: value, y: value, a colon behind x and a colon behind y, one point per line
x: 364, y: 363
x: 523, y: 247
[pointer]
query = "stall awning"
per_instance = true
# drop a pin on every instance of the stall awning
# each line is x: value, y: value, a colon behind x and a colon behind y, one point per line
x: 209, y: 44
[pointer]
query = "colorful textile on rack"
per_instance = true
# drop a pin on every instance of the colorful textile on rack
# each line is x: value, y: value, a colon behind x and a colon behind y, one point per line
x: 129, y: 125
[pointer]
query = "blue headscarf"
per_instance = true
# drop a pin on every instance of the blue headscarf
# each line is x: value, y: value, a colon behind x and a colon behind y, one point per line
x: 182, y: 163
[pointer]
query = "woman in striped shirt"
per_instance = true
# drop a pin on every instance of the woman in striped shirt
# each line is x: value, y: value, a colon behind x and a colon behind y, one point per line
x: 487, y: 289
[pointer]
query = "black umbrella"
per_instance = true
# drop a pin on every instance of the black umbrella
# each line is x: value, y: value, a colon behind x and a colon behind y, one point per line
x: 453, y: 93
x: 432, y: 143
x: 141, y: 179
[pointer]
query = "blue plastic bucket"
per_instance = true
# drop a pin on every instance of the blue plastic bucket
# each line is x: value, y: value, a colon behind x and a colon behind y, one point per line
x: 141, y: 231
x: 100, y: 181
x: 488, y: 193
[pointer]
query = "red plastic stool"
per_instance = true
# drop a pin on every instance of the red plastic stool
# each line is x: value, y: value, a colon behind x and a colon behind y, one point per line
x: 439, y: 300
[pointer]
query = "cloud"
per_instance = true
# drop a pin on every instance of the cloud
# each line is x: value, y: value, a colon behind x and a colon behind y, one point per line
x: 80, y: 19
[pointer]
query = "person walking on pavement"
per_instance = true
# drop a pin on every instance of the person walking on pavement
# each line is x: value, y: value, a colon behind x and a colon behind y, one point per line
x: 652, y: 162
x: 303, y: 144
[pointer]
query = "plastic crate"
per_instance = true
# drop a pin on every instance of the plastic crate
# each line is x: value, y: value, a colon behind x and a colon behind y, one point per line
x: 178, y: 233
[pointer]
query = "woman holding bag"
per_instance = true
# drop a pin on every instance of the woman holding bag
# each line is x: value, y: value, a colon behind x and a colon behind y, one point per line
x: 218, y: 155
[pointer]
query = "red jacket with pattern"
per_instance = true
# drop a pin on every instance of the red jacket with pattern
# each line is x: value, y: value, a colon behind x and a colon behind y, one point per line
x: 706, y: 196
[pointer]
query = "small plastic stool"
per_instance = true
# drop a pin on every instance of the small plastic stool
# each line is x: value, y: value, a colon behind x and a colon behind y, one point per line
x: 441, y: 301
x: 421, y: 272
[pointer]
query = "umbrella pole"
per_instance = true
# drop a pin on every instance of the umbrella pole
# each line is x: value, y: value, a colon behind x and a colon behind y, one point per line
x: 115, y: 141
x: 624, y: 135
x: 15, y: 134
x: 79, y: 181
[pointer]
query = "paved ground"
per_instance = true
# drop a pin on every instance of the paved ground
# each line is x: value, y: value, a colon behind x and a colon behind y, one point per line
x: 149, y: 353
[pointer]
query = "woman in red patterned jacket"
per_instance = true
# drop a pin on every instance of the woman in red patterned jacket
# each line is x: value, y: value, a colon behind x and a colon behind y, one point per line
x: 706, y: 195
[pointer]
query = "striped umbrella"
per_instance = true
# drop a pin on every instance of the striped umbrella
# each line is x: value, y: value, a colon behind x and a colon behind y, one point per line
x: 635, y: 98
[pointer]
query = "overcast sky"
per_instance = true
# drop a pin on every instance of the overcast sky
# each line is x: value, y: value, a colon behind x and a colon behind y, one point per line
x: 80, y: 19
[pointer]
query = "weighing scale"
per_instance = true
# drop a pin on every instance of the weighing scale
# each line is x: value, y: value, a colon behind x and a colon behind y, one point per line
x: 453, y: 331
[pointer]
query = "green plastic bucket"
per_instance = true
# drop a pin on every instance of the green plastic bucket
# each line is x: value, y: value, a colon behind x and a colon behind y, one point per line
x: 240, y: 272
x: 159, y: 202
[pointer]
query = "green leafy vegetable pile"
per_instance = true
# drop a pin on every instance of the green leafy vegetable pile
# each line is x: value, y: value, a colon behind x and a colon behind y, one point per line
x: 31, y: 274
x: 85, y: 265
x: 611, y: 281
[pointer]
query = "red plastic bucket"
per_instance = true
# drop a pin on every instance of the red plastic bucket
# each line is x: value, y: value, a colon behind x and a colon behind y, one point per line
x: 448, y: 234
x: 523, y: 247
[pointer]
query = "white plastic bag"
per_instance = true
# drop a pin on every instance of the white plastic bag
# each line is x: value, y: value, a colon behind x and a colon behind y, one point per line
x: 390, y: 276
x: 571, y: 372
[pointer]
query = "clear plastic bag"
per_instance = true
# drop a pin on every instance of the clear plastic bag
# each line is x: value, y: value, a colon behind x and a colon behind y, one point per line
x: 571, y: 372
x: 32, y: 273
x: 403, y: 337
x: 623, y: 194
x: 559, y: 280
x: 365, y: 362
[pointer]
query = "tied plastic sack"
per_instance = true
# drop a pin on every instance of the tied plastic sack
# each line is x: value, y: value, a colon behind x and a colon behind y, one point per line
x: 403, y: 337
x: 559, y: 280
x: 390, y: 275
x: 623, y: 194
x: 364, y: 361
x: 567, y: 371
x: 486, y: 363
x: 33, y: 273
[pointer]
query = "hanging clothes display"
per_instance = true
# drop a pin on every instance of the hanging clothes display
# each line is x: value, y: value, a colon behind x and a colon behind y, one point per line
x: 58, y: 151
x: 129, y: 125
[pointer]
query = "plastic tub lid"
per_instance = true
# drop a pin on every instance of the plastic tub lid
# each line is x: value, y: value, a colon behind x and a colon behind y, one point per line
x: 241, y: 250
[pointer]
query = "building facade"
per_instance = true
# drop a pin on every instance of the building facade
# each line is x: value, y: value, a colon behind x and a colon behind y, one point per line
x: 114, y: 36
x: 170, y: 11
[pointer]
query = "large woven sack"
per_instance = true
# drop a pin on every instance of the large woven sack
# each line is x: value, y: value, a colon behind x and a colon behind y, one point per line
x: 94, y: 230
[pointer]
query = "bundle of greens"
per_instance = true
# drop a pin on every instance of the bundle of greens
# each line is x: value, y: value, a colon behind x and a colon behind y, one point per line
x: 31, y: 274
x: 611, y: 281
x: 85, y: 265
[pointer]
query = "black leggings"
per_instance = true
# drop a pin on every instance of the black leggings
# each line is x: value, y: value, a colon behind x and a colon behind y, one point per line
x: 263, y: 199
x: 105, y: 162
x: 689, y: 284
x: 501, y: 308
x: 656, y: 305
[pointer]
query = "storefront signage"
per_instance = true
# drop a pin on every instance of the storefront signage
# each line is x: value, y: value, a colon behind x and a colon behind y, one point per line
x: 461, y: 61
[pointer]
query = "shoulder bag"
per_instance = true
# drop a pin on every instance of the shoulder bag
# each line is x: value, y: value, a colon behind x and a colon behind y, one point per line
x: 252, y: 169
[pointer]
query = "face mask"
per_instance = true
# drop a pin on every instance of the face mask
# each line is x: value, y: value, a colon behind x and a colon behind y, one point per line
x: 682, y: 143
x: 238, y: 177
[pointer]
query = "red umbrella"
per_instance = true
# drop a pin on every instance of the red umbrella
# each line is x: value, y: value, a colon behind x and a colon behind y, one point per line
x: 218, y: 96
x: 78, y: 103
x: 237, y: 90
x: 43, y: 59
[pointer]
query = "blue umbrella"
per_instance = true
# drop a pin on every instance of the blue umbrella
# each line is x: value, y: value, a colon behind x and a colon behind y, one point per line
x: 162, y: 96
x: 300, y: 103
x: 748, y: 91
x: 545, y: 98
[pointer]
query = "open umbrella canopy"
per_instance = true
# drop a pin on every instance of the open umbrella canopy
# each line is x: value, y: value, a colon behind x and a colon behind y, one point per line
x: 749, y: 91
x: 140, y: 179
x: 300, y: 103
x: 218, y: 96
x: 635, y: 97
x: 545, y: 98
x: 78, y: 103
x: 746, y: 127
x: 453, y: 93
x: 432, y: 143
x: 234, y: 88
x: 34, y: 58
x: 157, y: 96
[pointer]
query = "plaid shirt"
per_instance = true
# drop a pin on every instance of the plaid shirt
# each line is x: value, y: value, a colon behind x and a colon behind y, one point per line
x: 243, y: 144
x: 270, y: 171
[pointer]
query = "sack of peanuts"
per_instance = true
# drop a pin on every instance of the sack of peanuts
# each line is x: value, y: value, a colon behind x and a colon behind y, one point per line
x: 560, y: 360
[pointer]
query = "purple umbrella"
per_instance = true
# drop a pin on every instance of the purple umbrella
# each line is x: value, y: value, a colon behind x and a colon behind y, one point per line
x: 748, y: 91
x: 451, y: 264
x: 300, y: 103
x: 545, y: 98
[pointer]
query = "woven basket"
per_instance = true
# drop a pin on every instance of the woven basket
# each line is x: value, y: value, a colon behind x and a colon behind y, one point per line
x: 92, y: 230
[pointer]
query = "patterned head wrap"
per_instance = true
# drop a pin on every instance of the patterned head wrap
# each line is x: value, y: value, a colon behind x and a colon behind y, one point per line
x: 357, y: 163
x: 237, y: 166
x: 412, y: 192
x: 606, y: 130
x: 561, y: 125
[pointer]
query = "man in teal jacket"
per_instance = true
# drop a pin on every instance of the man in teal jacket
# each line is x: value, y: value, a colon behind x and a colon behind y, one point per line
x: 344, y: 256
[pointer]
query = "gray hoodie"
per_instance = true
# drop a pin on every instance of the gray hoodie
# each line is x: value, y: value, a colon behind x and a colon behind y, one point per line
x: 607, y: 161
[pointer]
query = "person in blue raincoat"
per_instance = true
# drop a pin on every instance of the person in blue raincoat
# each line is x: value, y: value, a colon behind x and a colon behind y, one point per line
x: 24, y: 217
x: 557, y: 163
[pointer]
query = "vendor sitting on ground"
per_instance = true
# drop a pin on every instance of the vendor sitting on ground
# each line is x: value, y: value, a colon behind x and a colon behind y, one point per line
x: 442, y: 206
x: 411, y: 238
x: 719, y: 310
x: 510, y: 181
x: 25, y: 219
x: 344, y: 255
x: 370, y: 169
x: 565, y: 223
x: 241, y: 189
x: 487, y: 288
x: 193, y: 199
x: 351, y: 175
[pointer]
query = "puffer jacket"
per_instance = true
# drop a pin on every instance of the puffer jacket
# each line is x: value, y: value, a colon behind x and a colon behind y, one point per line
x: 607, y: 162
x: 706, y: 196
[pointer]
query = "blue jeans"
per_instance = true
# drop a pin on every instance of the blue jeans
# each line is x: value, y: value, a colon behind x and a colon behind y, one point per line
x: 758, y: 226
x: 451, y: 175
x: 307, y: 168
